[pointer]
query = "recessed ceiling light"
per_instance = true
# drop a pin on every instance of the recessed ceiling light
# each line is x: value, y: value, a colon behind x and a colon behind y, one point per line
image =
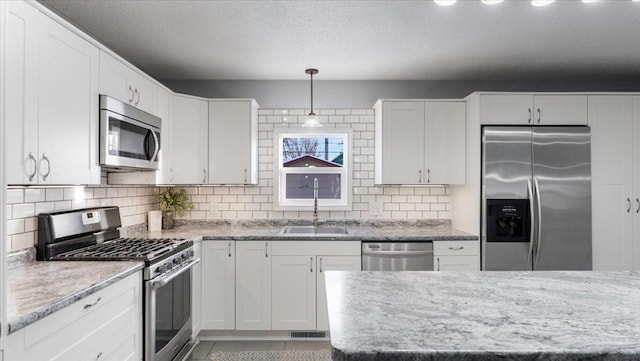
x: 491, y: 2
x: 542, y: 2
x: 444, y: 2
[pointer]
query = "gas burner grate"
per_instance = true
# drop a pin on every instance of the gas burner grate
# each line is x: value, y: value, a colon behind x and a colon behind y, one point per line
x: 125, y: 248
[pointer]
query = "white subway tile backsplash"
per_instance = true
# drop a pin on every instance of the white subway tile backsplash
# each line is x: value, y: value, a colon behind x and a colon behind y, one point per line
x: 54, y: 194
x: 14, y: 196
x: 15, y: 226
x: 23, y: 210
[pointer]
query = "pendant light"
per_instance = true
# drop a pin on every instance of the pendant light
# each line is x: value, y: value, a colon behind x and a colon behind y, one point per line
x: 312, y: 121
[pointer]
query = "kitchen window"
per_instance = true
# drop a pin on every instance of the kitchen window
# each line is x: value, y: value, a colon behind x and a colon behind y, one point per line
x: 304, y: 155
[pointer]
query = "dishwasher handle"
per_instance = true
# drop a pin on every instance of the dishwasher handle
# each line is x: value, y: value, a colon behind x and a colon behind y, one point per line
x: 396, y: 253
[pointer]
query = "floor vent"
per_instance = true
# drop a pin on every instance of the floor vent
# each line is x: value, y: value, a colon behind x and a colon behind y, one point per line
x: 315, y: 334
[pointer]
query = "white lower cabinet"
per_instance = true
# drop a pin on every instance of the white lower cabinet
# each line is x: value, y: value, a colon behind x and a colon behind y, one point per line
x: 106, y: 325
x: 456, y: 255
x: 298, y: 292
x: 218, y: 285
x: 253, y: 285
x: 331, y: 263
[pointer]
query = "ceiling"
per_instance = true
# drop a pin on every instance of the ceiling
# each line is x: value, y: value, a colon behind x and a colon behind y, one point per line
x: 366, y: 40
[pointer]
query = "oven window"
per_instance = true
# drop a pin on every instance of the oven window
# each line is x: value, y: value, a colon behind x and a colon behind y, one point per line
x: 173, y: 309
x: 129, y: 140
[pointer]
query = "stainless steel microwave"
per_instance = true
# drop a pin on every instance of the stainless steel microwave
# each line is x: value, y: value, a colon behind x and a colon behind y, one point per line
x: 129, y: 137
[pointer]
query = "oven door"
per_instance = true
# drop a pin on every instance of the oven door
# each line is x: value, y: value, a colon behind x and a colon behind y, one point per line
x: 168, y: 314
x: 127, y: 143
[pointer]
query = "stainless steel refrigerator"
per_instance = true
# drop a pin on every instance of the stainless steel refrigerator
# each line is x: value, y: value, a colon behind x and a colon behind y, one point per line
x: 536, y: 198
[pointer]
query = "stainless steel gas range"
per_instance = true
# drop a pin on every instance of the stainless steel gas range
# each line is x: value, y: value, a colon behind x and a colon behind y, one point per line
x: 93, y: 234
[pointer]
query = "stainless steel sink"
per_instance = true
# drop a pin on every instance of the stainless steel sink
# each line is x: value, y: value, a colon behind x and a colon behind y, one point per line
x: 311, y: 231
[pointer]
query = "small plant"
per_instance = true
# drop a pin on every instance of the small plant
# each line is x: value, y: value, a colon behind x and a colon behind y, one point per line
x: 176, y: 200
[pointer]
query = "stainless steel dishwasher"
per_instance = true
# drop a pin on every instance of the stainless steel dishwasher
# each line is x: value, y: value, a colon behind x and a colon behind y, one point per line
x: 397, y: 256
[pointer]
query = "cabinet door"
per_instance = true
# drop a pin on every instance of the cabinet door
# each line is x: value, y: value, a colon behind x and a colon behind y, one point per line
x: 457, y: 263
x: 294, y: 293
x: 253, y: 285
x: 560, y: 109
x: 402, y: 142
x: 67, y: 107
x: 164, y: 175
x: 196, y: 291
x: 20, y: 103
x: 444, y: 143
x: 231, y: 142
x: 218, y: 285
x: 189, y: 144
x: 636, y: 184
x: 331, y: 263
x: 144, y: 92
x: 113, y: 79
x: 610, y: 118
x: 506, y: 109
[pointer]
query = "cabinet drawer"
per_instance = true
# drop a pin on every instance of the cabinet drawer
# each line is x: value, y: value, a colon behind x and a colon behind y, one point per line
x: 455, y: 248
x: 78, y: 333
x: 457, y: 263
x: 312, y: 248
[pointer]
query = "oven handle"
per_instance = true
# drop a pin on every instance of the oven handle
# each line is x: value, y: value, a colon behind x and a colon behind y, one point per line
x: 162, y: 281
x: 396, y: 253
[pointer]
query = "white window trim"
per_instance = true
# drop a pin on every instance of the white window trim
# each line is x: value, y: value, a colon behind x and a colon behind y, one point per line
x: 279, y: 173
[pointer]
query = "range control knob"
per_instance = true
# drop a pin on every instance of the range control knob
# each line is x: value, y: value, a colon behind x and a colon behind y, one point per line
x: 177, y: 260
x: 161, y: 268
x: 169, y: 265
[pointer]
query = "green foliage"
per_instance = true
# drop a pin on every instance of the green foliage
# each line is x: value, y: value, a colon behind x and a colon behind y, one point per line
x: 174, y: 200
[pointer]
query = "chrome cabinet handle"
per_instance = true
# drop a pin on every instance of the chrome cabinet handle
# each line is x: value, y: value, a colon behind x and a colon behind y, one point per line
x: 245, y: 175
x: 35, y: 167
x: 320, y: 265
x: 99, y: 355
x: 311, y: 264
x: 266, y: 249
x: 438, y: 260
x: 529, y: 121
x: 44, y: 157
x: 628, y: 205
x: 420, y: 176
x: 428, y: 175
x: 229, y: 245
x: 539, y: 115
x: 638, y: 202
x: 137, y: 100
x: 456, y: 248
x: 89, y: 305
x: 131, y: 90
x: 204, y: 175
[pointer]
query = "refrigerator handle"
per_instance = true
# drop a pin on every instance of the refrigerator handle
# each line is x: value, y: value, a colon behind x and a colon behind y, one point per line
x: 531, y: 227
x: 538, y: 218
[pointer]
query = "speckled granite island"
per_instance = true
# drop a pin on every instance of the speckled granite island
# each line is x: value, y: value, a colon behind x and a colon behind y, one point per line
x: 484, y: 316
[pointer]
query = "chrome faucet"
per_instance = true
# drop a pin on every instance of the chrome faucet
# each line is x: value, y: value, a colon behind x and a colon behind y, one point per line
x: 315, y: 202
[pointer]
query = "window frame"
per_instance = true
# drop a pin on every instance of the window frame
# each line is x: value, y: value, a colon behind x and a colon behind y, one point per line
x: 280, y: 173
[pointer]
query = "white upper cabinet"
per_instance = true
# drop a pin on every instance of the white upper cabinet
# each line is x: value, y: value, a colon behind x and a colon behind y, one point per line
x: 125, y: 84
x: 420, y: 142
x: 531, y: 109
x: 165, y: 104
x: 189, y: 143
x: 54, y: 113
x: 233, y: 141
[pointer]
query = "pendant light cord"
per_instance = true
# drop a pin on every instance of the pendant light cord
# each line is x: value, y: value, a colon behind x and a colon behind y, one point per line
x: 312, y: 113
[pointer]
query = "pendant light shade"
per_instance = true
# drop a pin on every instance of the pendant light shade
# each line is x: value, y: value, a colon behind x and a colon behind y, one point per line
x: 312, y: 121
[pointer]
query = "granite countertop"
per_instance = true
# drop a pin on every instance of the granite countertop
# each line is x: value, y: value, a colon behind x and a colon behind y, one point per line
x: 372, y: 232
x: 580, y: 315
x: 37, y: 289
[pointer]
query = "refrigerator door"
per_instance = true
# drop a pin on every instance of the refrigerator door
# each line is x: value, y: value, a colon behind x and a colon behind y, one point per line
x: 506, y: 169
x: 562, y: 184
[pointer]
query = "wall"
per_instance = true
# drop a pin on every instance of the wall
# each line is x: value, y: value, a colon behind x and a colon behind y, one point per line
x: 369, y: 201
x: 25, y: 203
x: 364, y: 93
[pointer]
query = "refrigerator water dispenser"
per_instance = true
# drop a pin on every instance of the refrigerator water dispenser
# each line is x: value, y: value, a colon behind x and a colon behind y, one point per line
x: 508, y: 220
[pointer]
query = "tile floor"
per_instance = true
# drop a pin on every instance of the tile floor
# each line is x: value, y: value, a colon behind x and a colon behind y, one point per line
x: 205, y: 348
